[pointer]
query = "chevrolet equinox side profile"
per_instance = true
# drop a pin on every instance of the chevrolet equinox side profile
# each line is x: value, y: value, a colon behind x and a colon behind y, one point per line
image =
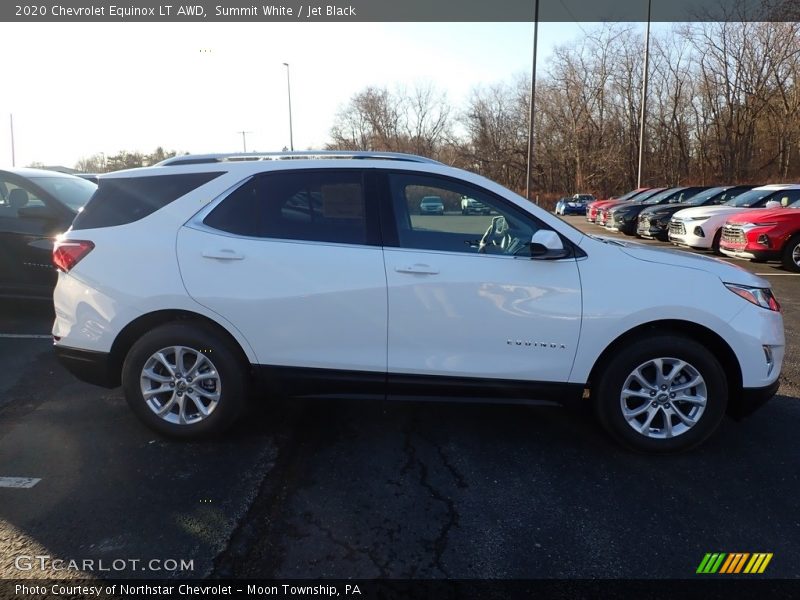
x: 188, y: 281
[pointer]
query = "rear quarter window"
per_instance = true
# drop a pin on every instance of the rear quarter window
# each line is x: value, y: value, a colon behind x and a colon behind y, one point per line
x: 123, y: 200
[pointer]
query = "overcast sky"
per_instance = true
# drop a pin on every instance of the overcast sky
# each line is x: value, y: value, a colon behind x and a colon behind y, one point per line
x: 77, y: 89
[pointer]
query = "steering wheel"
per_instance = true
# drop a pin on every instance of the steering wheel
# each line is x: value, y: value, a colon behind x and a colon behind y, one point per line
x: 496, y: 235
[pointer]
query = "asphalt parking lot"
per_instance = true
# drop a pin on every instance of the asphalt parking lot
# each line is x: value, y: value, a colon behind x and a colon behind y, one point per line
x: 348, y: 489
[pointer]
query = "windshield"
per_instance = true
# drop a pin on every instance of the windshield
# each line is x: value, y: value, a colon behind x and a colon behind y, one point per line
x: 643, y: 196
x: 749, y: 198
x: 72, y: 191
x: 662, y: 196
x: 704, y: 197
x: 633, y: 193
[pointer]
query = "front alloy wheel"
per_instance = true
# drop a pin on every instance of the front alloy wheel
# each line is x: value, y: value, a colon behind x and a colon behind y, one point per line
x: 791, y: 255
x: 661, y: 393
x: 663, y: 398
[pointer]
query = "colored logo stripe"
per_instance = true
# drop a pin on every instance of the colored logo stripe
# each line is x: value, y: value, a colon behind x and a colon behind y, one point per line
x: 711, y: 562
x: 733, y: 563
x: 758, y: 563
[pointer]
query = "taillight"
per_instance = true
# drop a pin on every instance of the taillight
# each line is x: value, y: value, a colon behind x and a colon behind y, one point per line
x: 68, y: 253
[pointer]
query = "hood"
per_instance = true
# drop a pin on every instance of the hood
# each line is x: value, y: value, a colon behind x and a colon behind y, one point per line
x: 766, y: 215
x: 664, y: 208
x: 727, y: 272
x: 697, y: 211
x: 605, y: 203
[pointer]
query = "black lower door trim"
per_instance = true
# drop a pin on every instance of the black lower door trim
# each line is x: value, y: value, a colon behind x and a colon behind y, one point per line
x: 334, y: 383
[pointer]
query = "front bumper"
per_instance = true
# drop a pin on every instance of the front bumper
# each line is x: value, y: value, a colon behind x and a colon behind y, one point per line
x: 574, y: 210
x: 749, y: 254
x: 751, y: 399
x: 652, y: 230
x: 691, y: 240
x: 89, y: 366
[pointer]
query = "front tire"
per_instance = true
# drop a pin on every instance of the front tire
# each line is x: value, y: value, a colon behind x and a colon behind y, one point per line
x: 661, y: 394
x: 791, y: 254
x: 184, y: 380
x: 715, y: 242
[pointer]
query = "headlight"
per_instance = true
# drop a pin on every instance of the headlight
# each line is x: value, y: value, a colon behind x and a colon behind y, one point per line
x: 748, y: 226
x: 700, y: 218
x: 762, y: 297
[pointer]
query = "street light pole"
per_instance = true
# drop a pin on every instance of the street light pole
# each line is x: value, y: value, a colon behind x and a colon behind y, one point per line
x: 289, y: 92
x: 532, y: 103
x: 244, y: 139
x: 644, y: 97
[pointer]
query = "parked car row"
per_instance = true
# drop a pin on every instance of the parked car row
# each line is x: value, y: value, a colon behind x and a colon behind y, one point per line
x: 726, y: 220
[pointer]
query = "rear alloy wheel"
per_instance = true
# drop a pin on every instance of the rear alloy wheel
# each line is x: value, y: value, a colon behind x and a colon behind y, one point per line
x: 184, y: 381
x: 791, y: 254
x: 662, y: 394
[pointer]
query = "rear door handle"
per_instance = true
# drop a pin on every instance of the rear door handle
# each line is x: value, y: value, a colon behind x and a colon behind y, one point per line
x: 418, y: 269
x: 223, y: 254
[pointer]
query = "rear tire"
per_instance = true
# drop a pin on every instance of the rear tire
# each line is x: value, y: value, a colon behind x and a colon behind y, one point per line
x: 184, y: 380
x: 791, y: 254
x: 664, y: 413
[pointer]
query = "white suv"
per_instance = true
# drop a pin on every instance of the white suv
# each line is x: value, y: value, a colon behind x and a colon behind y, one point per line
x: 186, y: 281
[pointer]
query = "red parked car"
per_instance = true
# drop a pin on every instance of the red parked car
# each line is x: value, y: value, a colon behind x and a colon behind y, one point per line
x: 593, y: 207
x: 766, y: 234
x: 602, y: 212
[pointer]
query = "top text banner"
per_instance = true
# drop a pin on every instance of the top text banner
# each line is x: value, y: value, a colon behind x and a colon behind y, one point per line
x: 401, y: 11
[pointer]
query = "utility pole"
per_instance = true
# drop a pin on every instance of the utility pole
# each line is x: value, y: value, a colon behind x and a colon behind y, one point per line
x: 644, y: 97
x: 533, y: 101
x: 244, y: 139
x: 289, y: 92
x: 13, y: 157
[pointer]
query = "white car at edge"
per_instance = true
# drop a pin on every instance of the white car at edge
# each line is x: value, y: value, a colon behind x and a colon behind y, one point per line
x: 701, y: 227
x: 187, y: 281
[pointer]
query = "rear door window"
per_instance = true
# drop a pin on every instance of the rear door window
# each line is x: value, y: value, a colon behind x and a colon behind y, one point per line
x: 318, y: 206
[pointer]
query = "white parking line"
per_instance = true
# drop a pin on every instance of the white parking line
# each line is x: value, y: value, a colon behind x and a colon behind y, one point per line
x: 26, y: 336
x: 18, y: 482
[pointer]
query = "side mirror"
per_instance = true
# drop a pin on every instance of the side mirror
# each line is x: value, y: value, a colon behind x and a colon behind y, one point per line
x: 547, y: 245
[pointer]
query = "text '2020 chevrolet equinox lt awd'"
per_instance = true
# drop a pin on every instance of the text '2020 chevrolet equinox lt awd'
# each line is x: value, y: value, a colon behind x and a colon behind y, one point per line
x: 186, y: 281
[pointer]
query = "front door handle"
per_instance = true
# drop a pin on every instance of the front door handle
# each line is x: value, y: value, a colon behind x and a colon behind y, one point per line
x: 418, y: 269
x: 223, y: 254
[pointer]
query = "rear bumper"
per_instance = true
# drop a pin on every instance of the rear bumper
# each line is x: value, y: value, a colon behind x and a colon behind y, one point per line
x: 89, y: 366
x: 751, y: 399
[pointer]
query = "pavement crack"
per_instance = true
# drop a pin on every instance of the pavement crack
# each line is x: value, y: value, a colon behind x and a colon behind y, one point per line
x: 452, y: 517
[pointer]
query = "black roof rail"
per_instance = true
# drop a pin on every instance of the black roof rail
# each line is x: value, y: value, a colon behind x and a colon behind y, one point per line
x: 196, y: 159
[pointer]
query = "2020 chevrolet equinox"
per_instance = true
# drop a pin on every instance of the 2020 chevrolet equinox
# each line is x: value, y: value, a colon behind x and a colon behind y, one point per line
x: 186, y: 281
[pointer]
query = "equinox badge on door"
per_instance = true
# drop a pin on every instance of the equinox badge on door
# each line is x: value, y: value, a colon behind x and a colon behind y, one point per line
x: 529, y: 344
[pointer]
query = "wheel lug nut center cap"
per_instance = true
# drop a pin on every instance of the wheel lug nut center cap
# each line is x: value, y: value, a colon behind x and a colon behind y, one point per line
x: 663, y: 397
